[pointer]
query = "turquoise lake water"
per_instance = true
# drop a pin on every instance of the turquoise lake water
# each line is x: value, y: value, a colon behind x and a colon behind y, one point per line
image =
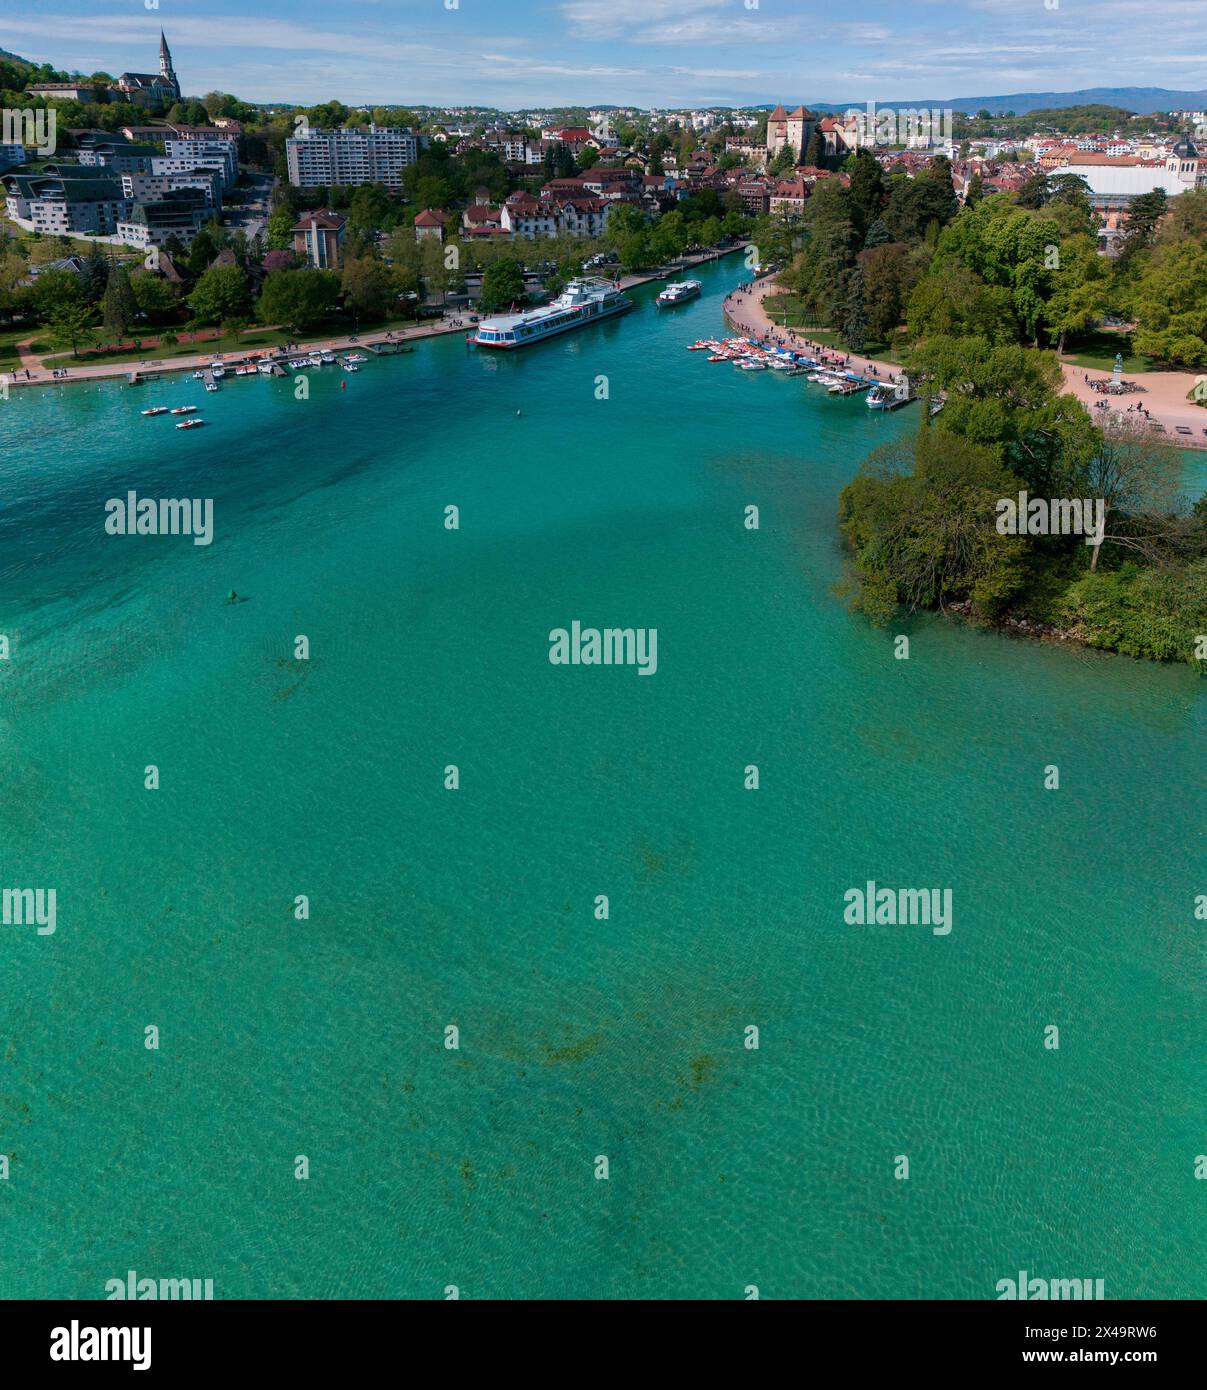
x: 475, y: 1167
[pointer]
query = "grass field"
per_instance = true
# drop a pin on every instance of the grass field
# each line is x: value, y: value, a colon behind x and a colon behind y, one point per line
x: 787, y: 306
x: 1096, y: 352
x: 253, y: 340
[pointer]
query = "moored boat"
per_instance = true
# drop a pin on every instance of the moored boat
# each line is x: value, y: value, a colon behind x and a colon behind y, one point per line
x: 678, y: 293
x: 190, y: 424
x: 184, y: 410
x: 156, y: 410
x: 585, y: 300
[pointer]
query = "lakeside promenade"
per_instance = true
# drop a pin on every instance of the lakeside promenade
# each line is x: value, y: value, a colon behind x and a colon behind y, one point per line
x: 1162, y: 394
x: 42, y: 374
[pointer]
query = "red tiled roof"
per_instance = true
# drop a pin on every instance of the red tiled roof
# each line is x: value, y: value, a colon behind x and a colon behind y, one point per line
x: 324, y: 221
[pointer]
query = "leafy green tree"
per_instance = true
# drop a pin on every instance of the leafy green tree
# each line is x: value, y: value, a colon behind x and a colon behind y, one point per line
x: 368, y: 286
x: 153, y: 296
x: 867, y: 190
x: 279, y: 229
x: 921, y: 521
x: 119, y: 306
x: 1170, y: 304
x: 14, y: 296
x: 1143, y: 214
x: 299, y: 299
x: 371, y: 209
x: 54, y: 290
x: 782, y: 162
x: 1187, y: 220
x: 223, y: 292
x: 1035, y: 191
x: 1080, y: 290
x: 502, y: 284
x: 1010, y: 400
x: 71, y: 326
x: 96, y: 274
x: 889, y: 273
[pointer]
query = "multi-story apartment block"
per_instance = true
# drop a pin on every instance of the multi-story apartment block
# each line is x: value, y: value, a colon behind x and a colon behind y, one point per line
x: 151, y: 188
x: 202, y: 154
x: 351, y: 156
x: 181, y: 212
x: 12, y: 155
x: 60, y: 206
x: 118, y: 157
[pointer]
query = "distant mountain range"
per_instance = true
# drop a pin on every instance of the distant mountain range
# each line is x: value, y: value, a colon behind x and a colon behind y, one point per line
x: 1140, y: 100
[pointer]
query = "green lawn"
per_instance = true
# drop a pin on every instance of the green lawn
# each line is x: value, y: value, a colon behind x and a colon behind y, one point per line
x: 779, y: 305
x: 9, y: 338
x: 254, y: 340
x: 1096, y: 352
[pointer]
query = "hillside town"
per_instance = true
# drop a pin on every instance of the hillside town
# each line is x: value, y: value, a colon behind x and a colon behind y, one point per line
x: 135, y: 212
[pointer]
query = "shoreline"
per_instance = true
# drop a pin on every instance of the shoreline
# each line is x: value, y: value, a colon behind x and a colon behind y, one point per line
x: 1163, y: 394
x: 147, y: 369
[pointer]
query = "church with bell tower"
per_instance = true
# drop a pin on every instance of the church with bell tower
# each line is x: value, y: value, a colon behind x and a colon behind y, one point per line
x: 151, y: 88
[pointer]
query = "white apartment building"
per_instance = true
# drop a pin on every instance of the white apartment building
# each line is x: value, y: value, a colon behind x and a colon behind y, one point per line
x: 204, y: 154
x: 151, y: 188
x: 351, y: 156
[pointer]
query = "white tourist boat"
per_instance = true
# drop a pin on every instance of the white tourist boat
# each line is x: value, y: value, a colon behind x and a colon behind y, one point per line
x: 327, y: 357
x: 679, y: 293
x: 264, y: 368
x: 585, y: 300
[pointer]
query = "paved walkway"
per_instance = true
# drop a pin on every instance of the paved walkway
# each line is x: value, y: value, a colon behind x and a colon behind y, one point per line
x: 41, y: 375
x: 745, y: 310
x: 1162, y: 394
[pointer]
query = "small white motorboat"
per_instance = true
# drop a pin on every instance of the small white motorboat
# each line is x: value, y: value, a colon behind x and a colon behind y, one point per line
x: 156, y: 410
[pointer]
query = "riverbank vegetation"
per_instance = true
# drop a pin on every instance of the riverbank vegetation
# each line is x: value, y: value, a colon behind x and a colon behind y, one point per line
x: 990, y: 294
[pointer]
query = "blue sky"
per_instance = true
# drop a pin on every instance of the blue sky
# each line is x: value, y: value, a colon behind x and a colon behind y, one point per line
x: 517, y: 53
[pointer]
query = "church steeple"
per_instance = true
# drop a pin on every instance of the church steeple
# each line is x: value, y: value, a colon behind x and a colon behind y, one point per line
x: 167, y: 73
x: 165, y: 59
